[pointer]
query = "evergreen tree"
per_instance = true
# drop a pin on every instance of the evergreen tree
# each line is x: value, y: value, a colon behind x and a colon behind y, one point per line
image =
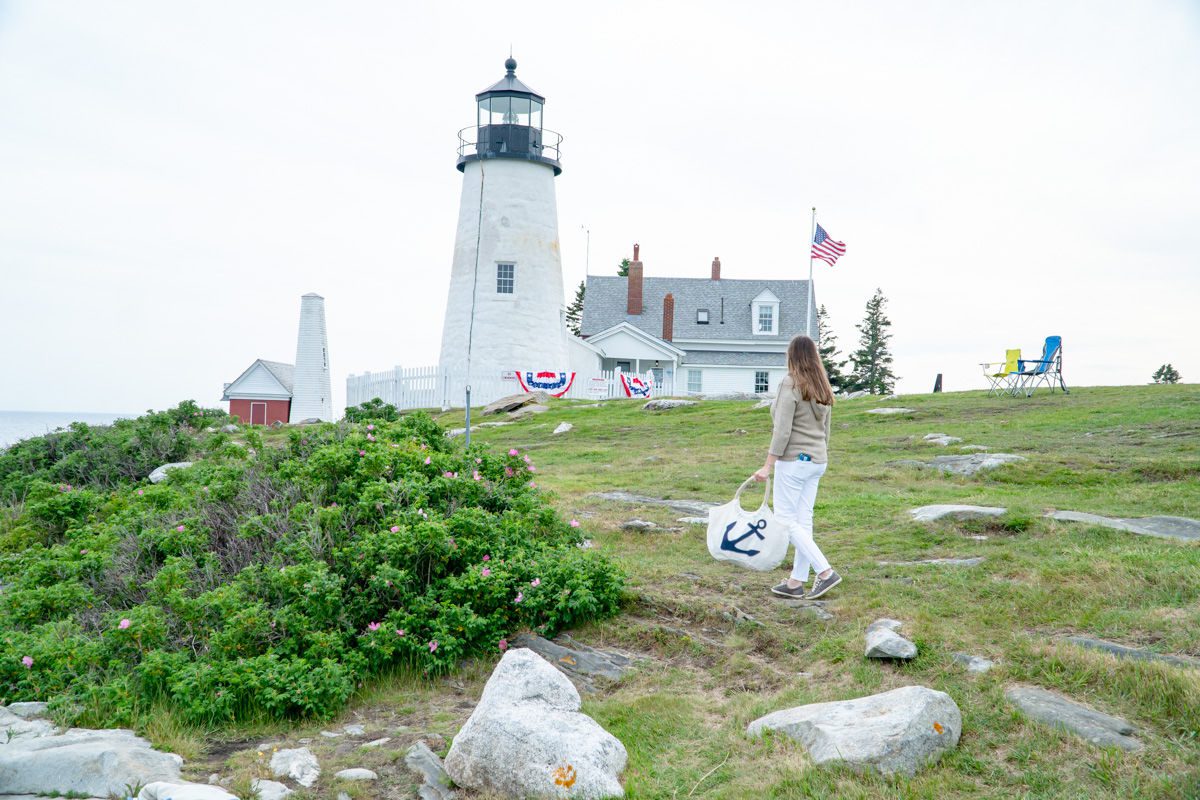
x: 1166, y: 374
x: 873, y: 360
x: 623, y: 268
x: 827, y: 347
x: 575, y: 310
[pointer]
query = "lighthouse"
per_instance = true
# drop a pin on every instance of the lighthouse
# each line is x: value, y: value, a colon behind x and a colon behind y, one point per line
x: 311, y: 395
x: 504, y: 310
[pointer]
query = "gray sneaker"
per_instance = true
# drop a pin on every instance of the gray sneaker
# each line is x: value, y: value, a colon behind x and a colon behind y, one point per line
x: 783, y: 590
x: 823, y: 585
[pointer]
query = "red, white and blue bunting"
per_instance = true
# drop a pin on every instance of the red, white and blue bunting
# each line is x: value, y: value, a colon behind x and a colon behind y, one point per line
x: 635, y: 386
x: 556, y: 383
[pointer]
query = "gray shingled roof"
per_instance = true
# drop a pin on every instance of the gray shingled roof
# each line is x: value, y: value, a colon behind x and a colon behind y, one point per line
x: 725, y: 359
x: 604, y: 304
x: 283, y: 372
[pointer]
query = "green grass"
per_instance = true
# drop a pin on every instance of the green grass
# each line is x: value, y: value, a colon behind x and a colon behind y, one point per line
x: 1125, y: 451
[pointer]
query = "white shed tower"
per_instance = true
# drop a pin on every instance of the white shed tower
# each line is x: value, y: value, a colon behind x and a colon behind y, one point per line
x: 505, y: 306
x: 311, y: 394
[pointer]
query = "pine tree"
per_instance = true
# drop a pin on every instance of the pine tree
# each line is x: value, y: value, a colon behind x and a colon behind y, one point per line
x: 623, y: 268
x: 827, y: 347
x: 575, y: 310
x: 1166, y: 374
x: 872, y: 360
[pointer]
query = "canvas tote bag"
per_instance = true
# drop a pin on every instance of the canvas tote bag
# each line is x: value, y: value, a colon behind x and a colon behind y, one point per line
x: 753, y: 539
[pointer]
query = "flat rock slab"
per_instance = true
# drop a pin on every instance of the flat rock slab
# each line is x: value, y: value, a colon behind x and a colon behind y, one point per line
x: 1095, y: 727
x: 638, y: 525
x: 435, y: 783
x: 92, y: 763
x: 299, y: 764
x: 977, y: 664
x: 894, y: 732
x: 698, y: 507
x: 563, y: 427
x: 883, y: 641
x: 966, y: 464
x: 948, y: 562
x: 1181, y: 528
x: 887, y: 410
x: 942, y: 439
x: 974, y: 447
x: 159, y: 475
x: 693, y: 520
x: 936, y: 512
x: 666, y: 405
x: 165, y: 790
x: 356, y: 774
x: 1123, y: 651
x: 515, y: 401
x: 813, y: 608
x: 582, y: 663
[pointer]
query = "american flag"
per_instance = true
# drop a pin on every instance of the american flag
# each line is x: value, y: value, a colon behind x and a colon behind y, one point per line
x: 825, y: 248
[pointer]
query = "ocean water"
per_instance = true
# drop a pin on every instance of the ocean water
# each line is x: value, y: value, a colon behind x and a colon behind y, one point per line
x: 18, y: 425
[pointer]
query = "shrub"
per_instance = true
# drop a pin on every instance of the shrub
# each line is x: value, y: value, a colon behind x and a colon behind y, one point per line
x: 374, y: 410
x: 273, y: 585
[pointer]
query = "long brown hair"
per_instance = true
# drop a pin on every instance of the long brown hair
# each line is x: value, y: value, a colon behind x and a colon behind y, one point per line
x: 807, y: 372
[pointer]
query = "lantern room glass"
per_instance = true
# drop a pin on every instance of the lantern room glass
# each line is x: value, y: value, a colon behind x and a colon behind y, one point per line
x: 509, y: 111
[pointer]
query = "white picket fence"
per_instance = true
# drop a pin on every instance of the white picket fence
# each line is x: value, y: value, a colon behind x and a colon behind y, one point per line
x: 431, y: 387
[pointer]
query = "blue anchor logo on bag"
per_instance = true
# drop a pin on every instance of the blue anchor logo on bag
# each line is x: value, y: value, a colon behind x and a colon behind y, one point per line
x: 752, y: 529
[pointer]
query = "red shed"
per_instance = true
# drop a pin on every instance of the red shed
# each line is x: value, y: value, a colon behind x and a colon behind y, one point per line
x: 261, y: 395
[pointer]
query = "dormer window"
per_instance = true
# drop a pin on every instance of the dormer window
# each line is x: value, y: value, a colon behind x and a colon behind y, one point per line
x: 764, y: 314
x: 702, y: 316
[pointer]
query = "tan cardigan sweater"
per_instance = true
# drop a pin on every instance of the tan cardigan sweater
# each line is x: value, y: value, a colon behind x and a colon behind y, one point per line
x: 800, y: 426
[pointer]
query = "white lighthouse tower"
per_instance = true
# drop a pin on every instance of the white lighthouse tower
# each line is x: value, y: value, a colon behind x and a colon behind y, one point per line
x: 311, y: 395
x: 505, y: 307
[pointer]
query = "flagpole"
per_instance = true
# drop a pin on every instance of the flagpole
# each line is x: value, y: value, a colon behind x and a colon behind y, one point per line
x: 812, y: 237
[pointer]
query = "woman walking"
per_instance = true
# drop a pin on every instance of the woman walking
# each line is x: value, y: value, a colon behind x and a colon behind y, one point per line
x: 799, y: 454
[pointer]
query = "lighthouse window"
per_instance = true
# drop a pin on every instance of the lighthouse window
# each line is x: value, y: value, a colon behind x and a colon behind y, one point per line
x: 505, y: 278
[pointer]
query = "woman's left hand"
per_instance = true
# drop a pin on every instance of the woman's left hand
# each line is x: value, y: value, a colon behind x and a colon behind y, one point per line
x: 762, y: 475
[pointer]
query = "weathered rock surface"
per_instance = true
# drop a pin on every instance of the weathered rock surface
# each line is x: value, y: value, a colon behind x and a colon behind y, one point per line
x: 94, y: 763
x: 159, y: 475
x: 230, y: 428
x: 165, y: 790
x: 299, y: 764
x: 528, y: 411
x: 974, y: 447
x: 1095, y: 727
x: 578, y: 661
x: 942, y: 439
x: 949, y: 562
x: 514, y: 401
x: 854, y: 395
x: 269, y: 790
x: 1123, y: 651
x: 889, y: 410
x: 965, y: 464
x: 356, y: 774
x: 693, y: 520
x: 936, y: 512
x: 700, y: 507
x: 813, y: 608
x: 977, y: 664
x: 883, y: 641
x: 563, y: 427
x: 1180, y: 528
x: 376, y: 742
x: 354, y: 730
x: 527, y: 738
x: 27, y: 710
x: 764, y: 403
x: 666, y: 405
x: 424, y: 762
x: 894, y: 732
x: 638, y: 525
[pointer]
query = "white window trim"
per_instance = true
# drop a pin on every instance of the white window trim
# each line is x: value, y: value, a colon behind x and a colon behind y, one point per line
x: 512, y: 264
x: 774, y: 319
x: 699, y: 373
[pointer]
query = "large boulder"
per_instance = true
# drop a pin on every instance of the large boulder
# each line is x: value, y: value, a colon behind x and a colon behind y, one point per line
x: 90, y: 763
x: 165, y: 790
x: 299, y: 764
x: 514, y: 401
x: 576, y: 660
x: 527, y: 738
x: 666, y: 405
x: 159, y: 475
x: 883, y: 641
x: 894, y: 732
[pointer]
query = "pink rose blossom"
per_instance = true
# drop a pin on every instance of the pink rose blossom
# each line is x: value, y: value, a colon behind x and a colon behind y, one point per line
x: 520, y: 597
x: 574, y: 523
x: 27, y: 661
x: 123, y: 624
x: 370, y: 426
x: 389, y: 583
x: 374, y: 626
x: 424, y: 446
x: 508, y: 471
x: 528, y: 460
x: 179, y: 528
x: 485, y: 572
x: 433, y: 645
x: 476, y: 476
x: 514, y: 452
x: 140, y: 493
x: 427, y: 460
x: 395, y: 529
x: 362, y: 452
x: 421, y: 511
x: 447, y: 474
x: 399, y: 631
x: 479, y: 461
x: 503, y: 645
x: 532, y: 485
x: 536, y: 582
x: 487, y: 558
x: 370, y: 437
x: 83, y: 552
x: 531, y: 468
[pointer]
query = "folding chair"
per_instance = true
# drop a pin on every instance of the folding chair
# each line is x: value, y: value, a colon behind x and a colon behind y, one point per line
x: 1004, y: 381
x: 1047, y: 370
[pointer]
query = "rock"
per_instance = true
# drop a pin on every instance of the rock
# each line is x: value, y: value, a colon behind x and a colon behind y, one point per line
x: 270, y: 790
x: 949, y: 562
x: 277, y: 424
x: 977, y: 664
x: 563, y: 427
x: 638, y: 525
x: 510, y: 403
x: 884, y: 642
x: 27, y: 710
x: 936, y: 512
x: 356, y: 774
x: 299, y: 764
x: 527, y: 738
x: 343, y: 796
x: 377, y: 742
x: 214, y: 779
x: 454, y: 433
x: 942, y: 439
x: 577, y: 660
x: 434, y: 741
x: 855, y: 395
x: 1180, y: 528
x: 307, y: 421
x: 764, y: 403
x: 975, y: 447
x: 331, y: 734
x: 693, y: 520
x: 1122, y: 651
x: 159, y: 475
x: 93, y: 763
x: 894, y: 732
x: 230, y: 429
x: 965, y: 465
x: 679, y: 506
x: 164, y: 790
x: 528, y: 411
x: 730, y: 396
x: 1093, y: 726
x: 424, y: 762
x: 353, y: 730
x: 814, y: 608
x: 887, y: 410
x: 666, y: 405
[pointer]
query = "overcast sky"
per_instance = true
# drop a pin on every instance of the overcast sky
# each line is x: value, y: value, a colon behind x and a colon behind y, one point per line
x: 173, y: 176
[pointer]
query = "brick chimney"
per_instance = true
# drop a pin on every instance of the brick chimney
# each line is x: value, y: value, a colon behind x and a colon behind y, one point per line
x: 668, y: 317
x: 634, y: 305
x: 716, y: 269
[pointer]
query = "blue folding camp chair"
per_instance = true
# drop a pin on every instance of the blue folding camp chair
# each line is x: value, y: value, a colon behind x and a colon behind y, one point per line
x: 1047, y: 370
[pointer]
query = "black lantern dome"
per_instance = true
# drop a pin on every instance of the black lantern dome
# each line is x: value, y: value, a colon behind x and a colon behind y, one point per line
x: 508, y: 124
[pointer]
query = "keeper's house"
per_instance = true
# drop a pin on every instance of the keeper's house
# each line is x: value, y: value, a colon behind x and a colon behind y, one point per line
x: 262, y: 395
x: 700, y: 335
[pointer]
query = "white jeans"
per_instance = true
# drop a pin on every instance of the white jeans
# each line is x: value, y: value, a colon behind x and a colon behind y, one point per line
x: 795, y: 493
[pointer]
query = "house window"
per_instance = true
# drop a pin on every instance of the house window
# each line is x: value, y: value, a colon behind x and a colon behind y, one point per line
x: 702, y: 316
x: 625, y: 366
x: 762, y: 382
x: 695, y: 385
x: 505, y: 278
x: 766, y: 319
